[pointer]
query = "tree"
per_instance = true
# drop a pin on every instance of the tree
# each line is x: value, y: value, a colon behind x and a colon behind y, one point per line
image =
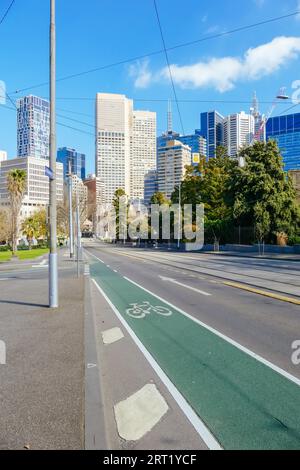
x: 119, y: 196
x: 206, y: 184
x: 160, y: 199
x: 16, y: 185
x: 261, y: 193
x: 4, y: 226
x: 35, y: 226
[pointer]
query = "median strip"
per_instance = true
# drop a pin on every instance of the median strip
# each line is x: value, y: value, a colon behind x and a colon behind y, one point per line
x: 264, y: 293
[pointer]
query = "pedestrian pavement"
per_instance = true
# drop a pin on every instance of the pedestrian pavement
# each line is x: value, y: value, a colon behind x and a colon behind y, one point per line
x: 42, y: 383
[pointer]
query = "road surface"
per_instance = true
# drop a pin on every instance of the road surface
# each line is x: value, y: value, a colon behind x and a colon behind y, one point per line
x: 223, y: 353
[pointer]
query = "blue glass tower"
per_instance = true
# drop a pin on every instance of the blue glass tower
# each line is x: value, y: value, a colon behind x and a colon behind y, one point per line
x: 66, y: 155
x: 285, y: 130
x: 212, y: 129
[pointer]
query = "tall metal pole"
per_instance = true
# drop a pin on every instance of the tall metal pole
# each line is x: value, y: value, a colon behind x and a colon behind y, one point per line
x: 179, y: 217
x: 53, y: 271
x: 78, y: 233
x: 71, y: 239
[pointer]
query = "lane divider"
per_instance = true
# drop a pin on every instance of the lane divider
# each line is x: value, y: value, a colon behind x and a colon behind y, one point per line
x: 173, y: 281
x: 271, y: 295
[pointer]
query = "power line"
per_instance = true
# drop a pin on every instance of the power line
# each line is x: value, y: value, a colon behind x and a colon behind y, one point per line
x: 168, y: 64
x: 288, y: 109
x: 165, y: 100
x: 6, y: 13
x: 153, y: 53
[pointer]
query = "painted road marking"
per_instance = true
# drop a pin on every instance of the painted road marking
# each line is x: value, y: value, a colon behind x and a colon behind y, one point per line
x: 271, y: 295
x: 137, y: 310
x: 139, y: 413
x: 112, y: 335
x: 193, y: 418
x: 167, y: 279
x: 39, y: 266
x: 244, y: 402
x: 221, y: 335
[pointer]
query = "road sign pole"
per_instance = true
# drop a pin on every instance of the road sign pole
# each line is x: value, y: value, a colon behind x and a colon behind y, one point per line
x: 53, y: 269
x: 71, y: 239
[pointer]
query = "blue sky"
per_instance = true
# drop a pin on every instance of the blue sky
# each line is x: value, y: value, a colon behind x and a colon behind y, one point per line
x: 100, y: 32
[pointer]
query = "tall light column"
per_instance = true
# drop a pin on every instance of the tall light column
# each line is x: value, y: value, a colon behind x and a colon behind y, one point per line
x: 70, y: 193
x: 53, y: 270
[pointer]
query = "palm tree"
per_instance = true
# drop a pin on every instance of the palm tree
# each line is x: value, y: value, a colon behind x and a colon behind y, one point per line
x: 16, y: 185
x: 30, y: 230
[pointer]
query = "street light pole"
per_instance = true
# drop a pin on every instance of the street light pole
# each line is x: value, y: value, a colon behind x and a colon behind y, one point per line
x: 71, y: 238
x: 179, y: 217
x: 53, y: 272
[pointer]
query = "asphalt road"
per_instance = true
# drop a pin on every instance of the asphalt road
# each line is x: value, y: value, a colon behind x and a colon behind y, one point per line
x: 227, y: 351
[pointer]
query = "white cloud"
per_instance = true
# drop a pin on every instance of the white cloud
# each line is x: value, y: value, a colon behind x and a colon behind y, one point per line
x: 140, y: 71
x: 223, y: 73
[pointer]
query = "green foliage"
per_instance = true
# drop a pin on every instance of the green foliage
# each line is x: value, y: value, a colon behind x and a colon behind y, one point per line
x: 262, y: 195
x: 35, y: 226
x: 160, y: 199
x: 259, y: 195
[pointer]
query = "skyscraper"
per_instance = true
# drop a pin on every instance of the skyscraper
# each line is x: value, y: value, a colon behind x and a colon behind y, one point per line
x: 212, y: 129
x: 150, y: 186
x: 66, y: 155
x: 238, y: 131
x: 143, y: 154
x: 113, y: 142
x: 125, y: 145
x: 172, y: 160
x: 33, y: 127
x: 285, y: 130
x: 36, y: 194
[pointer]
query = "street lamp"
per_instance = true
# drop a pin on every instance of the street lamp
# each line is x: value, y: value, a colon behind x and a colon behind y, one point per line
x: 53, y: 270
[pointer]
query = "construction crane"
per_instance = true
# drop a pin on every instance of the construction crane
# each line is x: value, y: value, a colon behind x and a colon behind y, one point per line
x: 281, y: 96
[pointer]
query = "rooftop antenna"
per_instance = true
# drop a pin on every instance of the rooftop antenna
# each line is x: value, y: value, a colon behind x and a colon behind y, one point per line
x: 170, y: 120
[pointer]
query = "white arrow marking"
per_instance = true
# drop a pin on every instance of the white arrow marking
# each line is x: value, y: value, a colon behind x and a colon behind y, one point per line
x: 168, y: 279
x: 91, y: 366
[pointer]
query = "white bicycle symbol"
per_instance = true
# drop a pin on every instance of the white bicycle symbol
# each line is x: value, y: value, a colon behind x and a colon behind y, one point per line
x: 141, y: 310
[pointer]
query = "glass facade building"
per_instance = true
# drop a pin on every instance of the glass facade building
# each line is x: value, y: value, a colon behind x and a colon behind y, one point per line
x: 285, y: 130
x: 150, y: 186
x: 212, y: 129
x: 66, y: 155
x: 33, y: 127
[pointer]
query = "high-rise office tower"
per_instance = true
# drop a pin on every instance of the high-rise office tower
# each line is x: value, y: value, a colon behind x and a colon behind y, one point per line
x: 125, y: 145
x: 212, y: 129
x: 113, y: 142
x: 68, y: 156
x: 285, y: 130
x: 172, y: 160
x: 143, y: 154
x: 36, y: 195
x: 33, y: 127
x: 238, y: 132
x: 150, y: 186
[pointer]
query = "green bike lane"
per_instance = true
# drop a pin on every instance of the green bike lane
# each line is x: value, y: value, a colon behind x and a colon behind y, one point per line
x: 243, y: 402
